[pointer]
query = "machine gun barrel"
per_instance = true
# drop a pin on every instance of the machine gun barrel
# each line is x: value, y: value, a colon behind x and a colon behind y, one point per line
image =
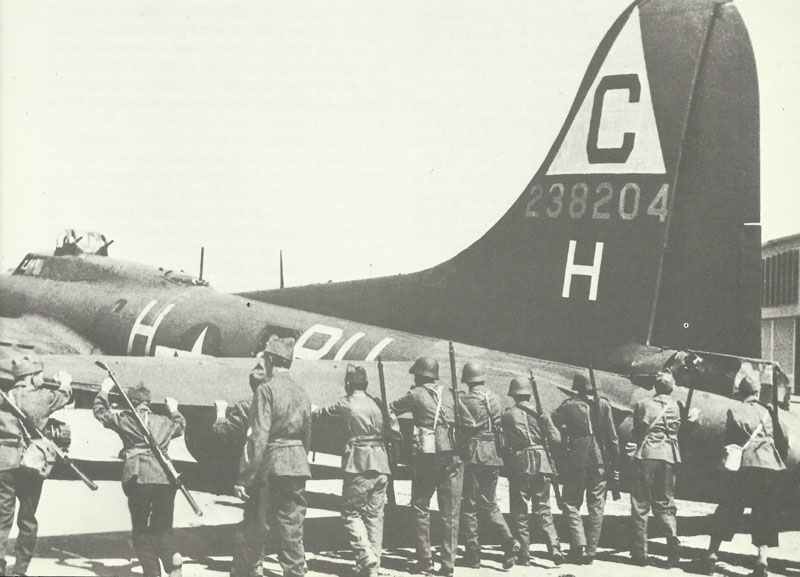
x: 163, y: 460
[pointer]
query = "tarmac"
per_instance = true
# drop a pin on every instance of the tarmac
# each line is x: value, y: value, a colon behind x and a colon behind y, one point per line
x: 85, y: 533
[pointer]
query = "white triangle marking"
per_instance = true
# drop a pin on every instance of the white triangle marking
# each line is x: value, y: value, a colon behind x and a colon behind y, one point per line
x: 619, y: 112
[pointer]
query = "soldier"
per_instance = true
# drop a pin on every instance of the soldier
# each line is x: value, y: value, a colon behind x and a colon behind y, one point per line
x: 231, y: 423
x: 272, y: 477
x: 18, y: 483
x: 750, y: 426
x: 583, y: 469
x: 366, y: 469
x: 151, y: 496
x: 530, y: 469
x: 436, y: 464
x: 656, y: 456
x: 481, y: 413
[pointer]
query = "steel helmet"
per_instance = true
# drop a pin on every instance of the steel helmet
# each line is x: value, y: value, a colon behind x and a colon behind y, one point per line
x: 355, y: 376
x: 425, y: 367
x: 282, y: 349
x: 519, y: 387
x: 580, y: 382
x: 472, y: 373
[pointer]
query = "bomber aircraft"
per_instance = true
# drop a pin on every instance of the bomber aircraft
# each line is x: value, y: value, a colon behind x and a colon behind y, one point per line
x: 635, y: 247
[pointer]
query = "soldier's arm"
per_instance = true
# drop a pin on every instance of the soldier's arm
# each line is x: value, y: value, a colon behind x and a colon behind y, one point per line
x: 103, y: 413
x: 550, y: 429
x: 612, y: 439
x: 178, y: 423
x: 307, y: 424
x: 260, y: 419
x: 336, y: 409
x: 638, y: 423
x: 235, y: 422
x: 402, y: 405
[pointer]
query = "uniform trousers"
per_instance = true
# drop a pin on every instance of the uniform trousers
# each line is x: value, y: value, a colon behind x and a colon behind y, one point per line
x: 754, y: 488
x: 276, y: 504
x: 480, y: 499
x: 151, y: 508
x: 364, y: 497
x: 592, y: 482
x: 442, y: 473
x: 536, y: 489
x: 653, y: 487
x: 26, y: 487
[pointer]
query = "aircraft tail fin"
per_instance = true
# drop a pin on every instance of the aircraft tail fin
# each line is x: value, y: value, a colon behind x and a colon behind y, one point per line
x: 641, y: 225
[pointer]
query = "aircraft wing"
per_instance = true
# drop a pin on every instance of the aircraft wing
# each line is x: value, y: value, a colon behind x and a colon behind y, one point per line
x: 43, y: 335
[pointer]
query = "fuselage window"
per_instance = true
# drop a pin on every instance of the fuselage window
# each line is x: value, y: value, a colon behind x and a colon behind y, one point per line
x: 119, y: 305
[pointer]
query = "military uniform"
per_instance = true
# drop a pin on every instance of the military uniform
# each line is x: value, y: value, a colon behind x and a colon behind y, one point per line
x: 481, y: 417
x: 656, y: 423
x: 583, y: 469
x: 366, y: 469
x: 530, y: 473
x: 274, y: 472
x: 440, y: 471
x: 753, y: 485
x: 151, y: 495
x: 17, y: 483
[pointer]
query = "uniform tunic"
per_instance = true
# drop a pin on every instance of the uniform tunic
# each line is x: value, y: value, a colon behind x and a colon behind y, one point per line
x: 753, y: 485
x: 151, y: 496
x: 656, y: 424
x: 530, y: 473
x: 481, y: 413
x: 18, y: 484
x: 441, y: 472
x: 366, y: 469
x: 583, y: 470
x: 274, y: 471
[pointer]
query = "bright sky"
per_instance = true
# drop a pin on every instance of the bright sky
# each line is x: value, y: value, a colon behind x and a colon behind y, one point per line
x: 364, y: 138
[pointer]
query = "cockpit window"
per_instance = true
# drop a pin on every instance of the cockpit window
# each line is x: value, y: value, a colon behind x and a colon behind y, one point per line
x: 182, y: 278
x: 30, y: 266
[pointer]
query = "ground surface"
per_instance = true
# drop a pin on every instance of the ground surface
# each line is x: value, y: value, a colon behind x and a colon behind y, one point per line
x: 83, y: 533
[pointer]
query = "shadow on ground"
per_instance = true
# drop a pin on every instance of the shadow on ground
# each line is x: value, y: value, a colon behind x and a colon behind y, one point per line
x: 109, y: 554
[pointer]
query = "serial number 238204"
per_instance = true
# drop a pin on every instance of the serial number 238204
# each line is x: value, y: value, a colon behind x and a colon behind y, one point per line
x: 602, y: 203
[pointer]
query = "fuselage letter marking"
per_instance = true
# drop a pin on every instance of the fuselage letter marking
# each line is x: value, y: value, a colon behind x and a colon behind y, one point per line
x: 592, y: 271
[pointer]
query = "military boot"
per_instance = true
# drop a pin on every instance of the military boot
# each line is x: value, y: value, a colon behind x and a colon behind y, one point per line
x: 511, y: 552
x: 471, y: 559
x: 177, y: 566
x: 556, y: 555
x: 673, y: 552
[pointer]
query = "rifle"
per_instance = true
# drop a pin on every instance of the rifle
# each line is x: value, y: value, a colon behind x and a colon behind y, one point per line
x: 31, y: 426
x: 779, y: 437
x: 546, y: 443
x: 456, y: 403
x: 601, y: 437
x: 390, y: 494
x: 167, y: 466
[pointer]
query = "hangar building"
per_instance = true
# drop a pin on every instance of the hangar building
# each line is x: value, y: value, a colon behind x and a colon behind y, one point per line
x: 780, y: 306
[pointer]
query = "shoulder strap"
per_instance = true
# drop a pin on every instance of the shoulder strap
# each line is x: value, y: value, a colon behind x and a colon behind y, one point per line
x: 662, y: 414
x: 488, y: 411
x: 437, y: 396
x: 753, y: 435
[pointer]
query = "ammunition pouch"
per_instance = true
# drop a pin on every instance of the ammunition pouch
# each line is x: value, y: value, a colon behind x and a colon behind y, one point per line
x: 429, y: 441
